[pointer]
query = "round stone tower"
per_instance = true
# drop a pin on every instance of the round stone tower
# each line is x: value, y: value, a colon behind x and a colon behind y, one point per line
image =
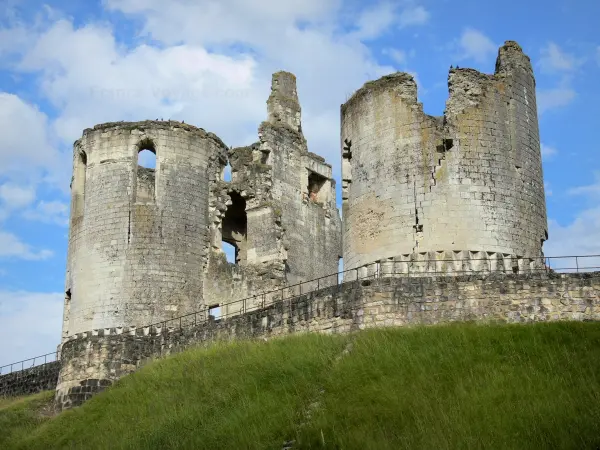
x: 466, y: 187
x: 138, y: 237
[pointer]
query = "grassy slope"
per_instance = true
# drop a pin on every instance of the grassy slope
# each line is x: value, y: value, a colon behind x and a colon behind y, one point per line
x: 463, y: 386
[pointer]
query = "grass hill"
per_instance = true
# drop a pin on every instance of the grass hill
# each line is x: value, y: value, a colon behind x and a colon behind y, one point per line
x: 448, y: 387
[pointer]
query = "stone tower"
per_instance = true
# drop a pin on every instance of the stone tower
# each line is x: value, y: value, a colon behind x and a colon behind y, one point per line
x: 138, y: 239
x: 466, y: 187
x: 145, y: 245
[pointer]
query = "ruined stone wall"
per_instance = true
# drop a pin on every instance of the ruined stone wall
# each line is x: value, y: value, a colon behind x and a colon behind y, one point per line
x: 30, y: 381
x: 291, y: 233
x: 138, y: 239
x: 93, y: 360
x: 467, y: 185
x: 303, y: 188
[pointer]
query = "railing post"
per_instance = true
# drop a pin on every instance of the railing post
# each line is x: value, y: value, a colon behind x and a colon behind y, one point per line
x: 577, y: 263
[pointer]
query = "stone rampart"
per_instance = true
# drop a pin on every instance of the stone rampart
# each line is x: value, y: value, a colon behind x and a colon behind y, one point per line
x: 93, y: 360
x: 30, y: 381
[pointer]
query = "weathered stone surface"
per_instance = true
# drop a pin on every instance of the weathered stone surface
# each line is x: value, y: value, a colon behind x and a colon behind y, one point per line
x: 30, y: 381
x: 145, y: 245
x: 106, y: 355
x: 469, y: 182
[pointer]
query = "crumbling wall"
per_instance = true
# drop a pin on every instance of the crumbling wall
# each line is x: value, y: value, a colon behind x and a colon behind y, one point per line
x: 467, y: 183
x: 291, y: 226
x: 108, y: 354
x: 310, y: 221
x: 30, y: 381
x: 138, y: 239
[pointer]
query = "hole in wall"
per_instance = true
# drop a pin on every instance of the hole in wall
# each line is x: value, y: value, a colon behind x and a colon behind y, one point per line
x: 265, y: 157
x: 315, y: 183
x: 226, y: 176
x: 147, y: 158
x: 347, y: 149
x: 234, y: 226
x: 78, y: 184
x: 214, y: 312
x: 231, y: 252
x: 146, y: 168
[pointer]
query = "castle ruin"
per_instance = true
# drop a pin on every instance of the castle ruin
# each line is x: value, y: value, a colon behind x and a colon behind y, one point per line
x: 462, y: 193
x: 466, y: 188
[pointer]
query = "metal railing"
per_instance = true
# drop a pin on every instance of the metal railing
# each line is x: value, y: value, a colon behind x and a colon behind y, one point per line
x: 374, y: 270
x: 29, y: 363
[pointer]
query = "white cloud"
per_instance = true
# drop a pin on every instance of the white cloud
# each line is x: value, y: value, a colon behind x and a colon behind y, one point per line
x: 399, y: 56
x: 15, y: 197
x: 415, y: 15
x: 554, y: 98
x: 582, y: 235
x: 91, y: 79
x: 554, y: 59
x: 50, y: 212
x: 30, y: 324
x: 548, y: 152
x: 473, y: 44
x: 25, y: 148
x: 373, y: 21
x: 12, y: 247
x: 591, y: 190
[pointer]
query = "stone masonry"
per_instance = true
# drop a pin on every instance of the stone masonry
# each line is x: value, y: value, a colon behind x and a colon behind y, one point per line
x: 459, y: 196
x: 145, y: 244
x: 467, y: 185
x: 108, y: 354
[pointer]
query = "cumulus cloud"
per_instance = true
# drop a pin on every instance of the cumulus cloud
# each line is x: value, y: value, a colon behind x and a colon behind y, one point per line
x: 30, y: 325
x: 554, y: 98
x: 399, y: 56
x: 12, y: 247
x: 13, y: 196
x: 224, y: 89
x: 25, y: 145
x: 372, y: 22
x: 473, y: 44
x: 582, y: 235
x: 49, y: 212
x: 548, y: 152
x: 415, y: 15
x: 554, y: 59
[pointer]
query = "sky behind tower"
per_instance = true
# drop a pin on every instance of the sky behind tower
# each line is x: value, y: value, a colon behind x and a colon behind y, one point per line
x: 66, y: 66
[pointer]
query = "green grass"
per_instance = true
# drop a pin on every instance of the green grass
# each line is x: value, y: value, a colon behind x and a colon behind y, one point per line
x: 461, y: 386
x: 21, y: 416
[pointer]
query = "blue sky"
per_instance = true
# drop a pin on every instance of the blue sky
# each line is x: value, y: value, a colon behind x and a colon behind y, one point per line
x: 67, y: 65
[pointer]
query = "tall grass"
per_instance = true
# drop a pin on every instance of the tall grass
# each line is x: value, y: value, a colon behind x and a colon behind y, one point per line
x: 450, y: 387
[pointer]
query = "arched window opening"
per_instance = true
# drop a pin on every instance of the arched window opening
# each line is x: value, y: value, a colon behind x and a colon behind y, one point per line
x: 234, y: 226
x: 78, y: 185
x: 146, y: 168
x: 147, y: 159
x: 227, y: 173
